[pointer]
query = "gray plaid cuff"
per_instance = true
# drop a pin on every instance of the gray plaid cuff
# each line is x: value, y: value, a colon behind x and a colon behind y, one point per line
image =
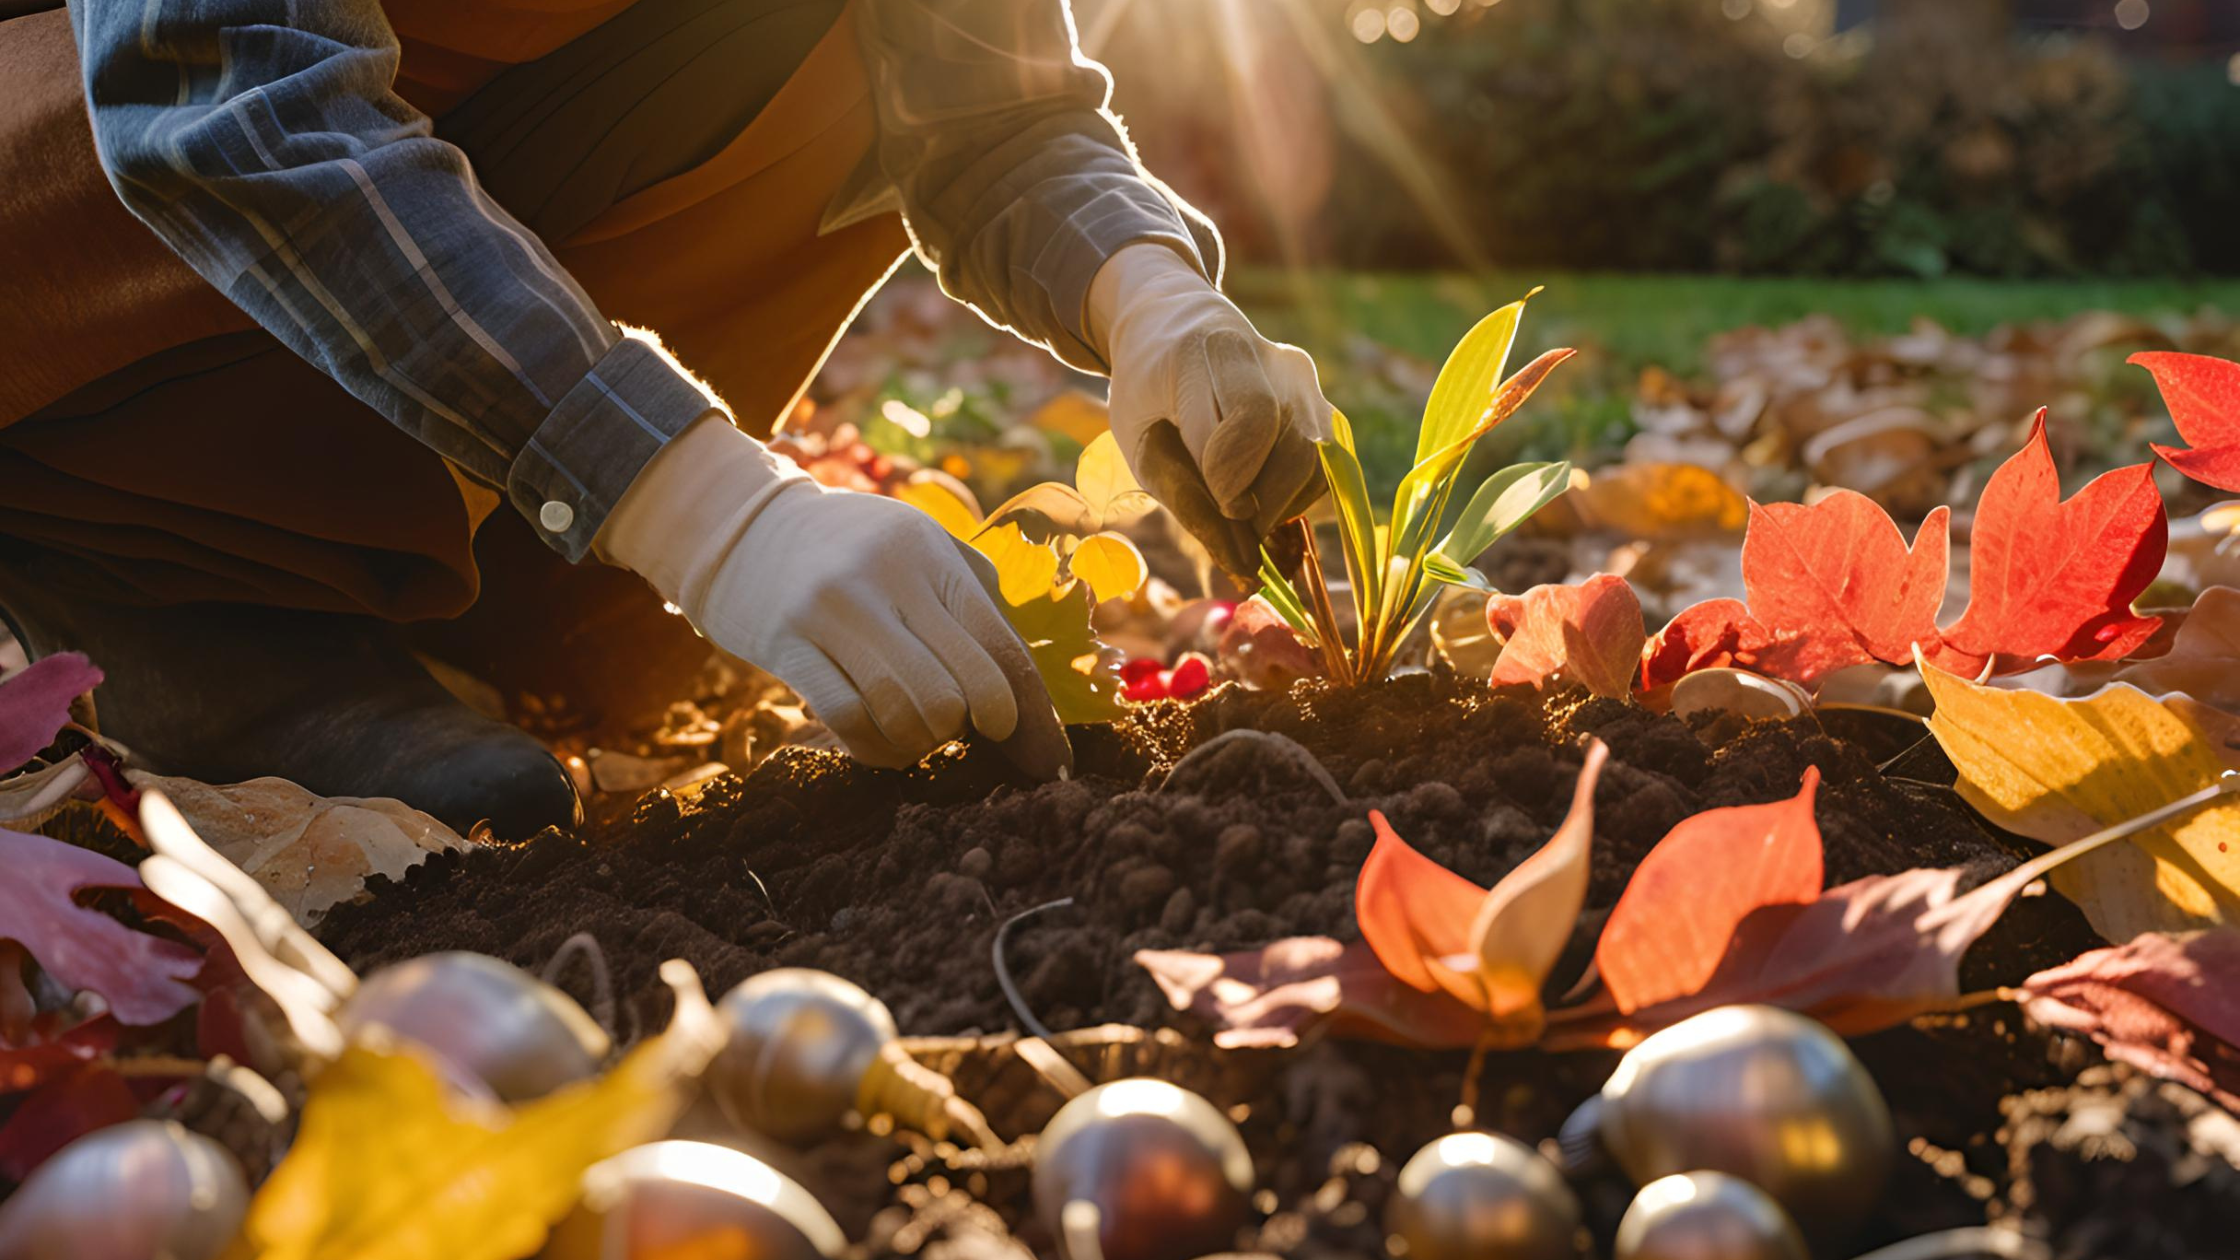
x: 1124, y: 216
x: 586, y: 453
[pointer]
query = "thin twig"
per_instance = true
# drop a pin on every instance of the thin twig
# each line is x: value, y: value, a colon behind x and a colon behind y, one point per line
x: 1011, y: 993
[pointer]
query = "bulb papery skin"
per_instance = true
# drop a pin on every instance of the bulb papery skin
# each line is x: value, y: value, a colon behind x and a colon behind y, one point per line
x: 1706, y: 1216
x: 1759, y: 1093
x: 1472, y: 1195
x: 799, y: 1046
x: 1153, y: 1171
x: 673, y: 1199
x: 141, y: 1190
x: 483, y: 1018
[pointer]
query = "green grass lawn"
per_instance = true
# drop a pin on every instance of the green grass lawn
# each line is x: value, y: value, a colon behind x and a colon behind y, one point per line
x: 1643, y: 319
x: 1626, y: 323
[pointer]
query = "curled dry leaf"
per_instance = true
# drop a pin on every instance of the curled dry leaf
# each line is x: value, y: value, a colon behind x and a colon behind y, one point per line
x: 2203, y: 395
x: 1260, y: 648
x: 35, y: 704
x: 2057, y: 769
x: 2204, y: 656
x: 1590, y: 634
x: 1273, y: 996
x: 310, y: 852
x: 1834, y: 584
x: 1672, y: 926
x: 2165, y: 1004
x: 144, y: 979
x: 389, y: 1164
x: 1661, y: 501
x: 1737, y: 691
x: 1490, y: 950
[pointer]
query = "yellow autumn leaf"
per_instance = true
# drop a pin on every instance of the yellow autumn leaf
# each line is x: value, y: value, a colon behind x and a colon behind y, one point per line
x: 1074, y: 414
x: 391, y: 1164
x: 1107, y: 486
x: 943, y: 505
x: 1026, y: 570
x: 1110, y: 564
x: 1083, y: 686
x: 2058, y: 769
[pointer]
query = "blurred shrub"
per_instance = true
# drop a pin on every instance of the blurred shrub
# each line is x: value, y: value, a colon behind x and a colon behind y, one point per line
x: 1662, y: 134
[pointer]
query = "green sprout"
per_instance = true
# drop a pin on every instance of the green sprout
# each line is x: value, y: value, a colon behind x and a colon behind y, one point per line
x: 1396, y: 571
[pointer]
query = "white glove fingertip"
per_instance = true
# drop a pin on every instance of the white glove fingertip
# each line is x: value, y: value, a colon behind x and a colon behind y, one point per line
x: 833, y: 700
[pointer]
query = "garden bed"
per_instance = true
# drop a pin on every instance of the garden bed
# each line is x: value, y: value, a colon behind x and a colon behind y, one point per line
x: 901, y: 881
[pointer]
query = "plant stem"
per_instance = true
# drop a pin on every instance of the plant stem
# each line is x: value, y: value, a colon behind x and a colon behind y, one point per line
x: 1318, y: 602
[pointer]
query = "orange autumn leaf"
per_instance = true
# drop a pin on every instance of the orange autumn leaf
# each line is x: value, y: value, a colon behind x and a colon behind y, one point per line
x: 1439, y: 933
x: 1416, y: 915
x: 1672, y: 926
x: 1590, y: 634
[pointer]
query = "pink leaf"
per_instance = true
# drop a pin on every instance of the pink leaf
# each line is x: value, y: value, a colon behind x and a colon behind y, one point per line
x: 35, y: 704
x: 143, y: 978
x: 2164, y: 1004
x: 1590, y: 634
x: 1273, y: 995
x: 1675, y: 922
x: 2054, y: 578
x: 2203, y: 395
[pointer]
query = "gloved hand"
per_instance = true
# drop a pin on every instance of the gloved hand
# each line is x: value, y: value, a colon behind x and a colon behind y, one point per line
x: 1216, y: 421
x: 886, y: 626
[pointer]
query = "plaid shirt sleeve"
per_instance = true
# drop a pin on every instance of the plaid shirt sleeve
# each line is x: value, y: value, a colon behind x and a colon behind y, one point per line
x: 1016, y: 180
x: 261, y: 140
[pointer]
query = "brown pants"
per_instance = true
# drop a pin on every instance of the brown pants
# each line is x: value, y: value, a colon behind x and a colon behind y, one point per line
x: 223, y: 467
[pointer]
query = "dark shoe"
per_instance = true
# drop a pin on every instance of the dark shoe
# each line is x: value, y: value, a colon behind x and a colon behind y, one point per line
x: 227, y: 692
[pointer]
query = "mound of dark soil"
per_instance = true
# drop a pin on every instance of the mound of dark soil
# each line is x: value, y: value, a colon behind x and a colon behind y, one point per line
x: 900, y: 880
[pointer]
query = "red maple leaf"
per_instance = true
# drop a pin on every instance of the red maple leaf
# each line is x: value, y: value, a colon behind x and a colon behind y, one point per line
x: 1834, y: 583
x: 2203, y: 395
x: 2054, y: 578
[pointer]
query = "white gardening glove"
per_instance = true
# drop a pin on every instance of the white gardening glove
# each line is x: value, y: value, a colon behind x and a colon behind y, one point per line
x: 886, y: 626
x: 1216, y: 421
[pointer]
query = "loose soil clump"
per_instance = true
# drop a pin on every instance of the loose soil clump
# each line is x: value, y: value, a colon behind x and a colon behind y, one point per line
x: 900, y: 880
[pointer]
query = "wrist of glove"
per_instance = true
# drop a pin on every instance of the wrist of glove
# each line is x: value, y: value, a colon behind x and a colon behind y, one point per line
x: 885, y: 625
x: 1216, y: 421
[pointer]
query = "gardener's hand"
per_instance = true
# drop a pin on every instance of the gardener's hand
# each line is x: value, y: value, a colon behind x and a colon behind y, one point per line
x: 1216, y: 421
x: 884, y: 624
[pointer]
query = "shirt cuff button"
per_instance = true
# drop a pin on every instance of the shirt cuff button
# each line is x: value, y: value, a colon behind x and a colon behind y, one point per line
x: 556, y: 516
